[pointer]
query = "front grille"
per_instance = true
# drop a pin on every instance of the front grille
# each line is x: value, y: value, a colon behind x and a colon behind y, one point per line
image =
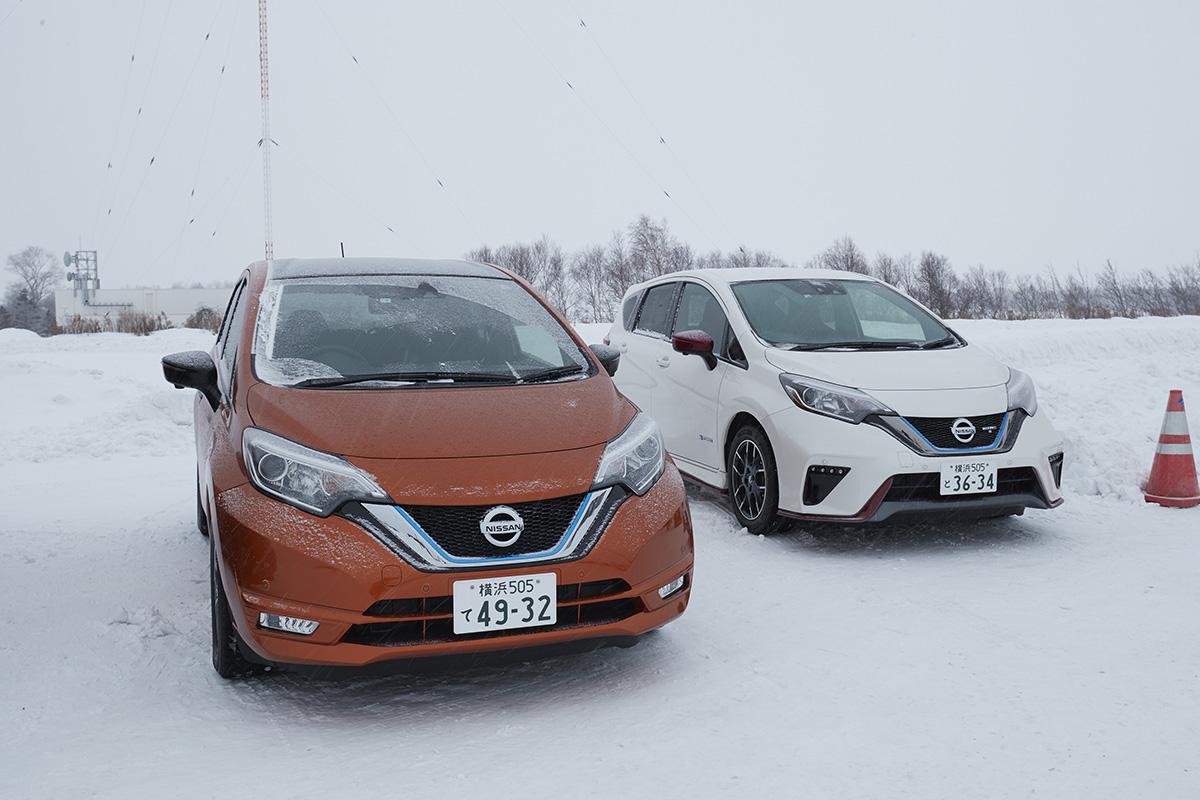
x: 456, y: 528
x: 938, y: 431
x: 579, y: 605
x: 924, y: 486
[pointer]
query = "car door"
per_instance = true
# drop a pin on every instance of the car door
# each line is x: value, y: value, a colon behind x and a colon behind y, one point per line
x: 687, y: 394
x: 647, y: 344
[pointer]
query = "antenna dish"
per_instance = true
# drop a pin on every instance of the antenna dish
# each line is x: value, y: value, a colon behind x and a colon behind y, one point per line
x: 67, y: 258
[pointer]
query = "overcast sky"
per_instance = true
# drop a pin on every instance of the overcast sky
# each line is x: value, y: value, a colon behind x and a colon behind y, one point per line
x: 1010, y: 134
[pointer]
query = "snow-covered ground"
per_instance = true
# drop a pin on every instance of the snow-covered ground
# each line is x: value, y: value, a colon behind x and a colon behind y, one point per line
x: 1055, y: 655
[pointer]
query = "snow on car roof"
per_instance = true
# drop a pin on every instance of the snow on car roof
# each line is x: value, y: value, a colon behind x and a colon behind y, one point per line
x: 738, y: 274
x: 285, y: 268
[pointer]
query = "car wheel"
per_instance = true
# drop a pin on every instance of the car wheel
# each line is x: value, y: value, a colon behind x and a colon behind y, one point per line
x: 201, y: 517
x: 753, y: 481
x: 227, y: 645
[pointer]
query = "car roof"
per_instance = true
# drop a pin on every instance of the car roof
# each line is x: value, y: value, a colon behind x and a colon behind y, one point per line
x: 286, y: 268
x: 728, y: 275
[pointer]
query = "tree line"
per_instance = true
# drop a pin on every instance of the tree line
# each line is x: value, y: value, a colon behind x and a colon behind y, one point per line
x: 586, y: 284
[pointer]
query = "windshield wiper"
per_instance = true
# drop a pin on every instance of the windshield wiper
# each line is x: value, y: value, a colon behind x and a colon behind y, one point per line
x: 934, y: 345
x: 550, y: 374
x: 857, y: 346
x: 406, y: 377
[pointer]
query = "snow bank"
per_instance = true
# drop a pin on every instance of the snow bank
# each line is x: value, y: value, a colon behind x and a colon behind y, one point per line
x: 1104, y: 383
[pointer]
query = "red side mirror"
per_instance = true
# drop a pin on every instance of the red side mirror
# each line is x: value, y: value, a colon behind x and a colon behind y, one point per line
x: 695, y: 342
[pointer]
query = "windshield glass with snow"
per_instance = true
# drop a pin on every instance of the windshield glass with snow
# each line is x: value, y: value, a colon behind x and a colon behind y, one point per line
x: 409, y: 331
x: 804, y: 314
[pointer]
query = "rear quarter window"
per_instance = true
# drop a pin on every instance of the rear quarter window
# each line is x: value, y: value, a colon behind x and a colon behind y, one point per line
x: 629, y: 310
x: 658, y: 310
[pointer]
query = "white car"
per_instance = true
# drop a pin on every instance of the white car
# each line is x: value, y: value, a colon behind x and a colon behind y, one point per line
x: 825, y: 395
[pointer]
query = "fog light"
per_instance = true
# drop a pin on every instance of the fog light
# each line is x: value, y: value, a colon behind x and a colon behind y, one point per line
x: 275, y: 622
x: 671, y: 588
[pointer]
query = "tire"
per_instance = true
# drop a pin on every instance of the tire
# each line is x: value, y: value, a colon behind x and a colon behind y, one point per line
x: 227, y: 646
x: 753, y: 482
x: 201, y: 517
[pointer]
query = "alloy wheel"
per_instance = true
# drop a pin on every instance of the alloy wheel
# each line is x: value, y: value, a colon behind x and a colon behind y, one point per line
x: 749, y: 479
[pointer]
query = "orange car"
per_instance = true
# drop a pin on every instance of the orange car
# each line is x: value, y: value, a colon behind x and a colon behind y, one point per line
x: 402, y: 458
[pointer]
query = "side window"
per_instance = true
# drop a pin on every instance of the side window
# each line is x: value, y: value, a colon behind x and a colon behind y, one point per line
x: 658, y: 309
x: 232, y: 336
x: 700, y: 311
x: 628, y: 310
x: 223, y: 331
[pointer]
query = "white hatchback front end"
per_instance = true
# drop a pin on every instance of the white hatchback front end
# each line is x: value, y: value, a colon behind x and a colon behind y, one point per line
x: 905, y: 456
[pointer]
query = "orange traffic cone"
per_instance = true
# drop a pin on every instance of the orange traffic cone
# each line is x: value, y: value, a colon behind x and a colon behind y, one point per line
x: 1173, y: 476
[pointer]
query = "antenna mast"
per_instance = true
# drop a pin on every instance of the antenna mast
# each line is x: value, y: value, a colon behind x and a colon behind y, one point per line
x: 265, y: 143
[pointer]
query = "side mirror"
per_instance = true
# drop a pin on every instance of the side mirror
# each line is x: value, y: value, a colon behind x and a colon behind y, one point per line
x: 610, y: 357
x: 696, y: 342
x: 193, y: 369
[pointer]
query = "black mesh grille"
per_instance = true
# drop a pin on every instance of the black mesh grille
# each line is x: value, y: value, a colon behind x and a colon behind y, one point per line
x: 456, y: 528
x: 924, y: 486
x: 939, y: 431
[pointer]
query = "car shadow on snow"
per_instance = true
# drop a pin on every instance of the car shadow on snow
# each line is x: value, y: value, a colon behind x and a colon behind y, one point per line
x: 902, y: 534
x: 480, y: 686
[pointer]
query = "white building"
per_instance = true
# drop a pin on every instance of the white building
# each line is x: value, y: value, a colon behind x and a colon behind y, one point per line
x: 177, y: 304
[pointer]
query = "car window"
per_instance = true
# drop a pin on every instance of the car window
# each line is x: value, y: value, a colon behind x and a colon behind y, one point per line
x: 700, y: 311
x: 223, y: 330
x: 409, y: 329
x: 658, y: 309
x: 233, y: 335
x: 628, y: 310
x: 798, y: 312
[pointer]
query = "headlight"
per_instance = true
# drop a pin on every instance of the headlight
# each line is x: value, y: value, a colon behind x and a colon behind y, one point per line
x: 306, y: 478
x: 635, y: 458
x: 831, y: 400
x: 1021, y: 393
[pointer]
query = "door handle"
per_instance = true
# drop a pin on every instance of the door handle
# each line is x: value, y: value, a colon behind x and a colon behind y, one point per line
x: 664, y: 361
x: 624, y: 348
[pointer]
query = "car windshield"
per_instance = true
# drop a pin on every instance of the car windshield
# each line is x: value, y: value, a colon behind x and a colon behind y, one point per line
x: 809, y: 314
x: 387, y: 331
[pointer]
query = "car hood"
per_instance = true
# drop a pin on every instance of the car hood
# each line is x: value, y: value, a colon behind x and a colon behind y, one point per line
x: 895, y: 370
x: 442, y: 423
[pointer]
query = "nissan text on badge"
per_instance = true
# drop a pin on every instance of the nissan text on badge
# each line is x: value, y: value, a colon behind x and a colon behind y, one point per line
x: 402, y: 458
x: 828, y: 395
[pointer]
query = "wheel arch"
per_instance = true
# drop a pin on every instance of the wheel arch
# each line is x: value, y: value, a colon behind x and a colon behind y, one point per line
x: 736, y: 423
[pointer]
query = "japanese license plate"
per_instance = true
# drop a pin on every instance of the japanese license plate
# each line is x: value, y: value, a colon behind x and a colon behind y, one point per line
x: 501, y: 604
x: 968, y: 477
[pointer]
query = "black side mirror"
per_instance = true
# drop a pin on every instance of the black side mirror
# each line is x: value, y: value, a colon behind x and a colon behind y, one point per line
x: 610, y: 357
x: 193, y: 369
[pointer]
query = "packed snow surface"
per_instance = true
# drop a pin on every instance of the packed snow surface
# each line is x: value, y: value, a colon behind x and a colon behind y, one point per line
x: 1055, y: 655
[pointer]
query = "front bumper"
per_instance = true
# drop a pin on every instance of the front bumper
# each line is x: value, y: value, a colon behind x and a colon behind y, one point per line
x: 277, y: 559
x: 882, y: 478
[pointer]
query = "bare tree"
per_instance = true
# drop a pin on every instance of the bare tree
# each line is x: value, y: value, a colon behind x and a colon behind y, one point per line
x: 1183, y: 284
x: 1115, y: 291
x: 587, y: 272
x: 553, y: 280
x: 892, y: 270
x: 935, y: 283
x: 37, y: 269
x: 844, y: 255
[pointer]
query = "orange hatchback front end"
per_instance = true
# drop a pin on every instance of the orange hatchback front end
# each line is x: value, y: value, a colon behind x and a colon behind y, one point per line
x: 402, y: 459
